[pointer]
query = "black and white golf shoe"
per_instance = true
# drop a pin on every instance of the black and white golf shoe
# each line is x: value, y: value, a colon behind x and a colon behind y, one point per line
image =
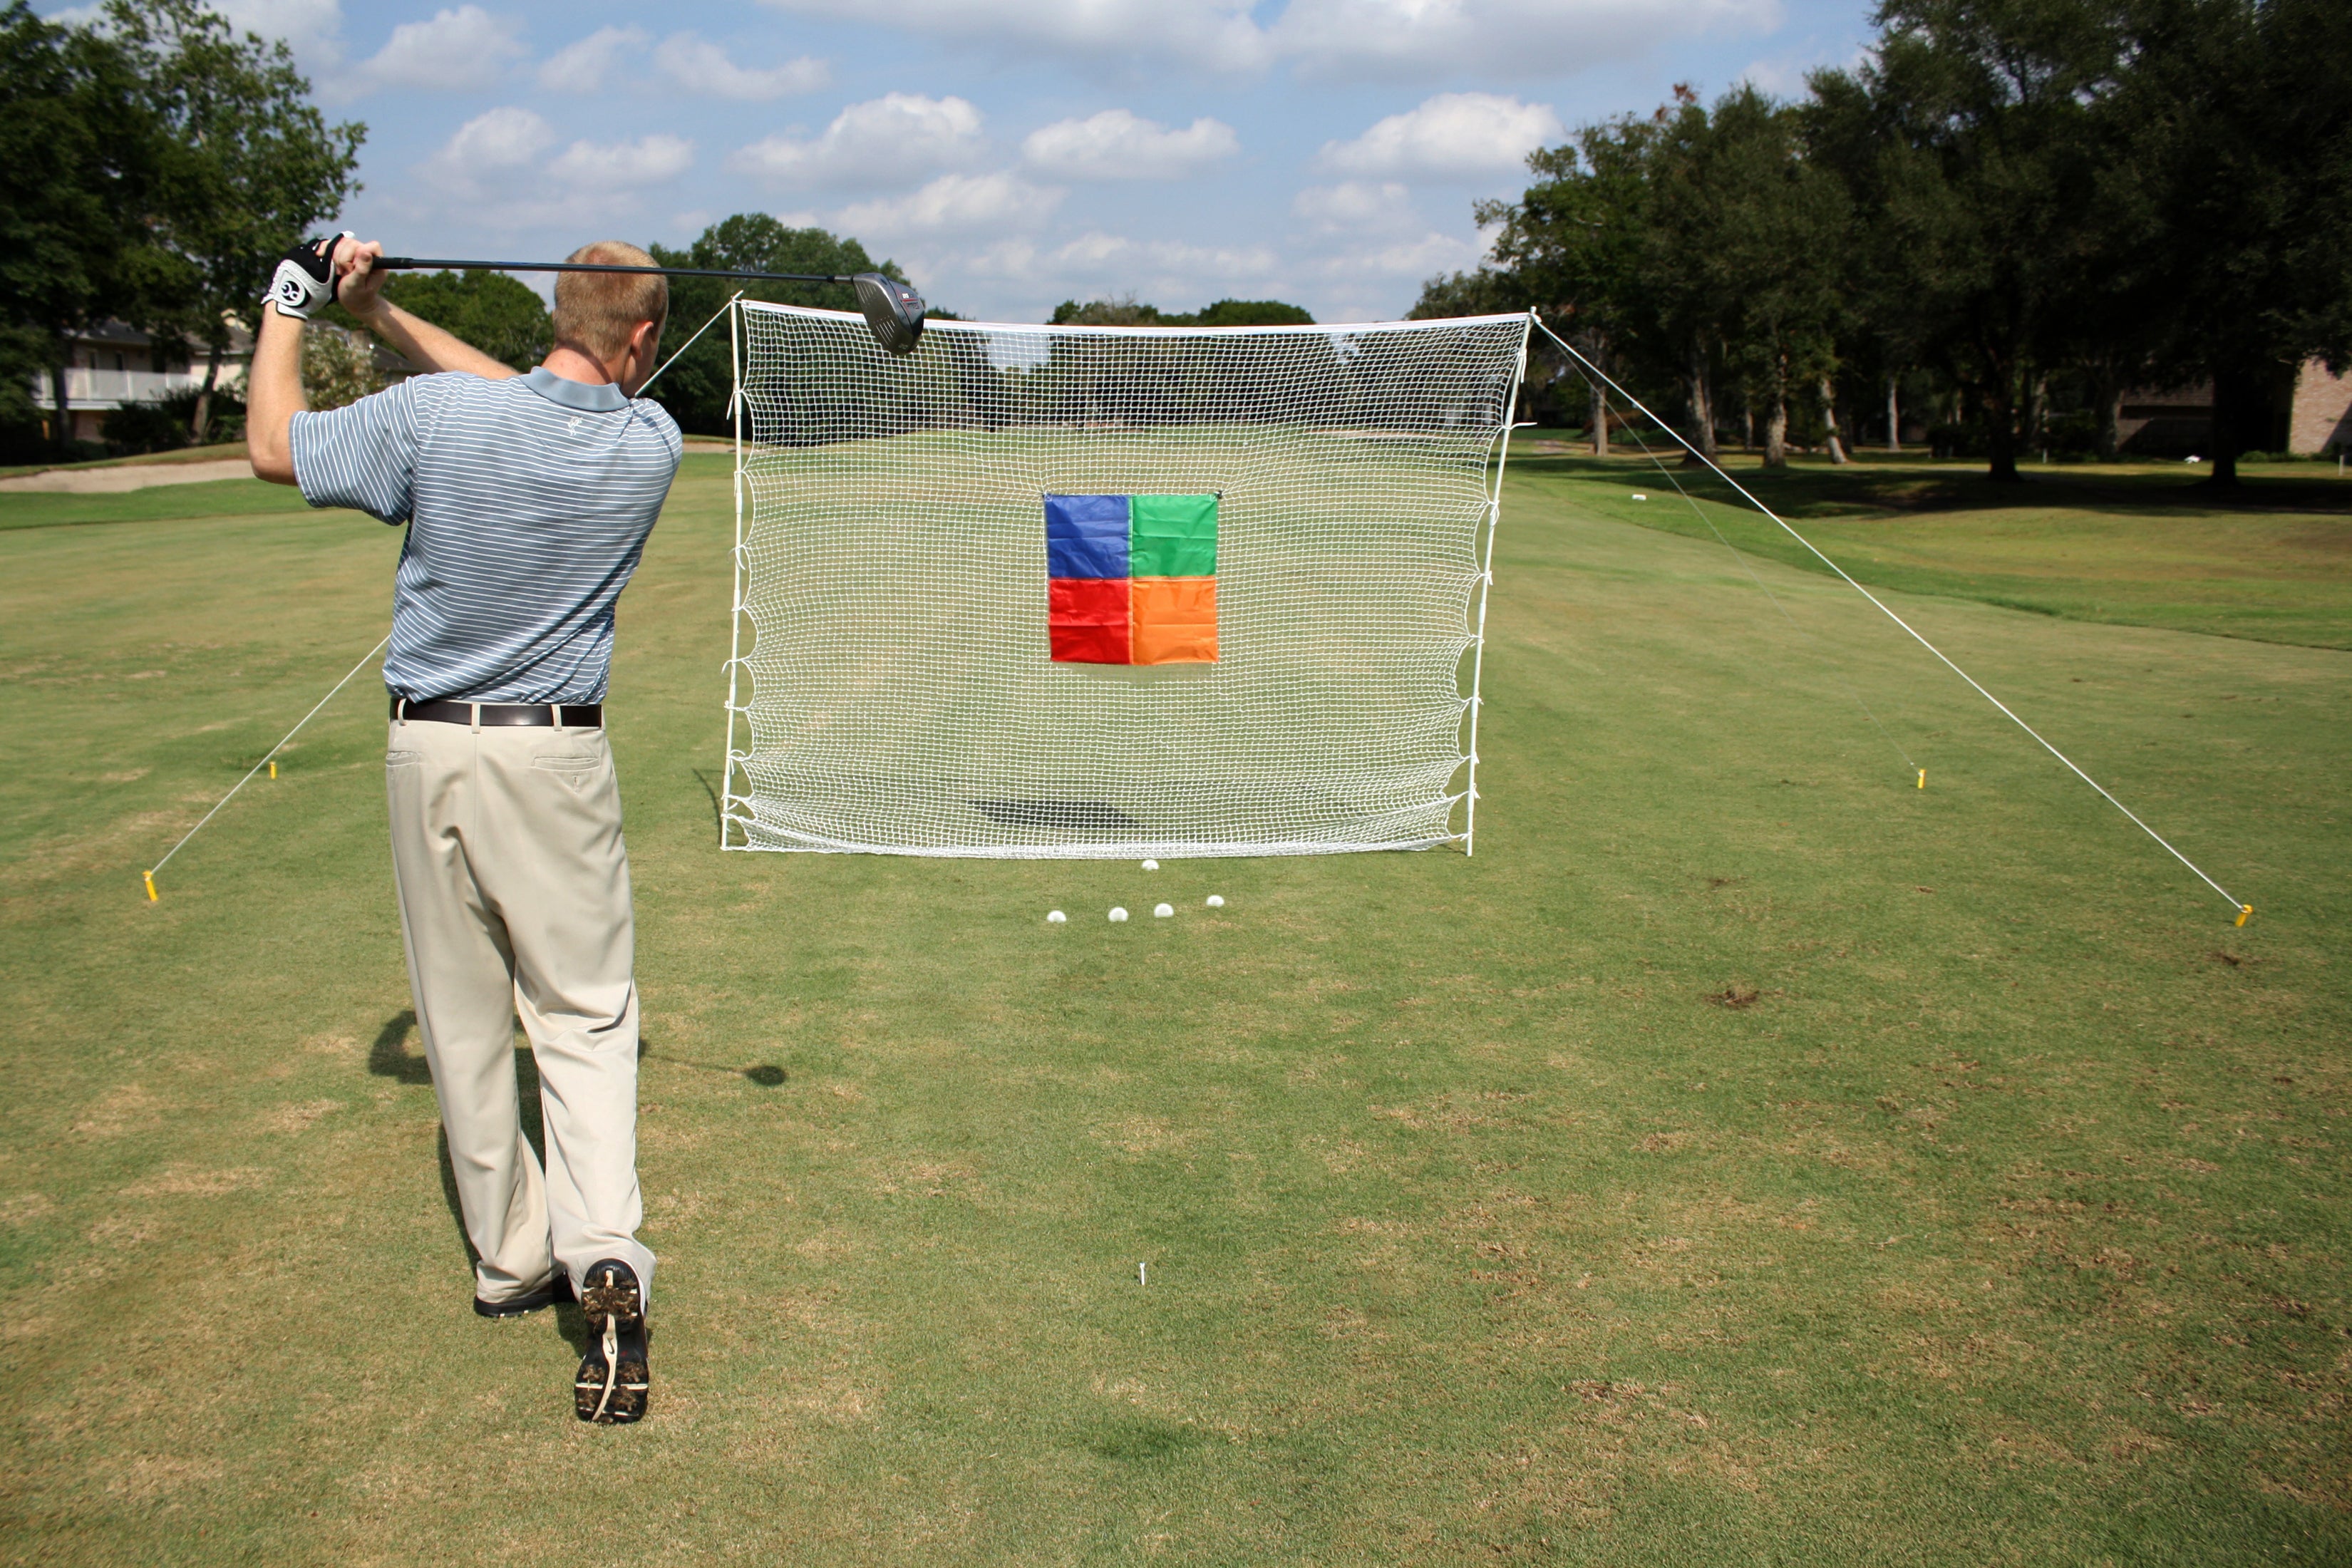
x: 613, y: 1378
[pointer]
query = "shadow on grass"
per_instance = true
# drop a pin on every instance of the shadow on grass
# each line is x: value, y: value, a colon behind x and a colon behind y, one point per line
x: 1138, y: 1439
x: 390, y: 1058
x: 767, y: 1075
x: 717, y: 816
x: 1866, y: 489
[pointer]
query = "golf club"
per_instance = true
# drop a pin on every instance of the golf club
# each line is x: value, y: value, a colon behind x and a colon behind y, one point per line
x: 893, y: 310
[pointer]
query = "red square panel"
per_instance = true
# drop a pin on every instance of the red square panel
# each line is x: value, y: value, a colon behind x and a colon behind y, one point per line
x: 1089, y: 645
x: 1087, y: 620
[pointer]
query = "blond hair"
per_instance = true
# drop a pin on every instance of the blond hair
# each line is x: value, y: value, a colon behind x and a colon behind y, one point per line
x: 596, y: 313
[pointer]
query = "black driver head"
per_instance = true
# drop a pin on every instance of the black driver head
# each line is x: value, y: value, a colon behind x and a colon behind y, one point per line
x: 892, y: 310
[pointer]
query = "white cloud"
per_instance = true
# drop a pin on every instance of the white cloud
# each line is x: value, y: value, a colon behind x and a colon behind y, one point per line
x: 461, y: 50
x: 492, y: 155
x: 1405, y: 40
x: 696, y: 65
x: 612, y: 57
x: 954, y: 204
x: 1451, y: 136
x: 1216, y: 34
x: 496, y: 173
x: 1413, y: 258
x: 896, y: 140
x: 624, y: 165
x: 1119, y: 145
x: 1356, y: 206
x: 597, y: 63
x: 311, y: 28
x: 1428, y: 40
x: 1167, y: 267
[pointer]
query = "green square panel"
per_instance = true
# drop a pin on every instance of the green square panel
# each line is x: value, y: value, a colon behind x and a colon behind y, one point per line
x: 1173, y: 536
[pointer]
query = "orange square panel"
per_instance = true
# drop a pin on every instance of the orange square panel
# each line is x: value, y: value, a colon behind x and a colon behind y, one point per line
x: 1174, y: 620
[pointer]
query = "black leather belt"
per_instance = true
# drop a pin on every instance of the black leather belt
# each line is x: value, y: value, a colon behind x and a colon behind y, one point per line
x: 571, y: 715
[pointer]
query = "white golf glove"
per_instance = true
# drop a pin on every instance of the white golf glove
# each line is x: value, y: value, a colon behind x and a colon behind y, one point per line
x: 306, y: 279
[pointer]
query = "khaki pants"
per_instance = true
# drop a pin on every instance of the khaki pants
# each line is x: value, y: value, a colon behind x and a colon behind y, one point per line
x: 514, y: 900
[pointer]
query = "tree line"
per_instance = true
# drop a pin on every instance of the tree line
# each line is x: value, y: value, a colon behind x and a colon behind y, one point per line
x: 2018, y: 207
x: 154, y: 165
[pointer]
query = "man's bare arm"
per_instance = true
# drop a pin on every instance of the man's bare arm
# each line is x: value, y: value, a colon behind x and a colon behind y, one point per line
x: 420, y: 343
x: 273, y: 395
x: 417, y: 340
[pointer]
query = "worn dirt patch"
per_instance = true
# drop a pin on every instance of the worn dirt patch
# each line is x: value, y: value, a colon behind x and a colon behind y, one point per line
x: 181, y: 1182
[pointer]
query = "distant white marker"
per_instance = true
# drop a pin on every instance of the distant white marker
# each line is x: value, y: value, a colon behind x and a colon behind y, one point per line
x: 1117, y: 916
x: 1215, y: 902
x: 1055, y: 917
x: 1163, y: 912
x: 1639, y: 496
x: 1151, y: 865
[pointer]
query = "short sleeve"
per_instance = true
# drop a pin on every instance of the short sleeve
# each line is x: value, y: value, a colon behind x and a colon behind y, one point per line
x: 363, y: 455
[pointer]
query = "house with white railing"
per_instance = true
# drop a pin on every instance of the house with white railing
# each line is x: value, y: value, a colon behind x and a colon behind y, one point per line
x: 111, y: 363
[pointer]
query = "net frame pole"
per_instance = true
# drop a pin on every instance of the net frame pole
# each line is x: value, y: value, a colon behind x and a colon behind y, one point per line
x: 1487, y: 588
x: 735, y: 618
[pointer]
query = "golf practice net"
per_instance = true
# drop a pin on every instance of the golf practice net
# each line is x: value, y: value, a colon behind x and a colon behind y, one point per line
x: 1111, y: 592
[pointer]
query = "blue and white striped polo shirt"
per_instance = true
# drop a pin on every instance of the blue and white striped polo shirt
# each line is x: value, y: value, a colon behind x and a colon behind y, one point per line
x: 528, y: 502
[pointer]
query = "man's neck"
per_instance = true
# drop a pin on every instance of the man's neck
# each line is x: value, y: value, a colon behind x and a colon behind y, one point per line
x: 572, y: 365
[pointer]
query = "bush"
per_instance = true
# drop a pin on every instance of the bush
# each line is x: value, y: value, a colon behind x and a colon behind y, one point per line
x: 2073, y: 434
x: 167, y: 423
x: 136, y: 427
x: 338, y: 367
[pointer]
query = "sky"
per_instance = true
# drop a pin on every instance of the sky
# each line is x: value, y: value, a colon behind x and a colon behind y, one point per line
x: 1010, y: 155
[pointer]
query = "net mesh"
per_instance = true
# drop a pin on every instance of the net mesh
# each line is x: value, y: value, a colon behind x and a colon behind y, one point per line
x: 893, y: 690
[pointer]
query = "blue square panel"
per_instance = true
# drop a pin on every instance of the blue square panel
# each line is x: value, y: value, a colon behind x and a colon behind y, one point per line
x: 1086, y: 536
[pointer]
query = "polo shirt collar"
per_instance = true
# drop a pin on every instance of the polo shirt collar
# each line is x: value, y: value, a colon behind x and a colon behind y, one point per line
x: 602, y: 397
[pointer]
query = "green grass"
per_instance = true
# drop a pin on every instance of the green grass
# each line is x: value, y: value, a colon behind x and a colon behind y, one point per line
x: 2137, y: 544
x: 2007, y: 1222
x: 159, y: 503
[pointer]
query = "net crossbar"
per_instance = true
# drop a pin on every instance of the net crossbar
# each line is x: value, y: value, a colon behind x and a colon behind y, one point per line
x: 894, y: 688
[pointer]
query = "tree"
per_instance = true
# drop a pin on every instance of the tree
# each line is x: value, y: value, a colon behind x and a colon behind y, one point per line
x: 1123, y: 311
x: 1252, y: 313
x: 1976, y: 143
x: 1574, y: 243
x: 2238, y: 114
x: 249, y: 166
x: 1763, y: 251
x: 83, y: 187
x: 499, y: 315
x: 696, y: 389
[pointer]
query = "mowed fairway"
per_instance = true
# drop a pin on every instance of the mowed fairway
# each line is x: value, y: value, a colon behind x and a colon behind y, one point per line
x: 1746, y: 1157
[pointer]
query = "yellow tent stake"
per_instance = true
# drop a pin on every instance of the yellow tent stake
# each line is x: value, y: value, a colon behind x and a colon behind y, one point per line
x: 1923, y: 778
x: 273, y: 767
x: 149, y: 877
x: 2245, y: 913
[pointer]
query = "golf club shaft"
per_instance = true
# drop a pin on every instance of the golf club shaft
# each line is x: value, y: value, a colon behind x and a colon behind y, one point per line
x: 435, y: 264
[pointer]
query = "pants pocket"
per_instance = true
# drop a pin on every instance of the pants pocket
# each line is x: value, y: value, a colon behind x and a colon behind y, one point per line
x: 580, y: 774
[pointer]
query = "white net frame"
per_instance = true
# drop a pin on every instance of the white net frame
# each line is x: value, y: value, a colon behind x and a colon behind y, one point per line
x: 889, y: 678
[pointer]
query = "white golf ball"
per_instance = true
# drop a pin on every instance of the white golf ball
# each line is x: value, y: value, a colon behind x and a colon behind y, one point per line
x: 1151, y: 865
x: 1215, y: 902
x: 1117, y: 916
x: 1055, y: 917
x: 1164, y: 910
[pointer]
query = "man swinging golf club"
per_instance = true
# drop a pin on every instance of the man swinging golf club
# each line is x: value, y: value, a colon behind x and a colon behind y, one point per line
x: 528, y: 499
